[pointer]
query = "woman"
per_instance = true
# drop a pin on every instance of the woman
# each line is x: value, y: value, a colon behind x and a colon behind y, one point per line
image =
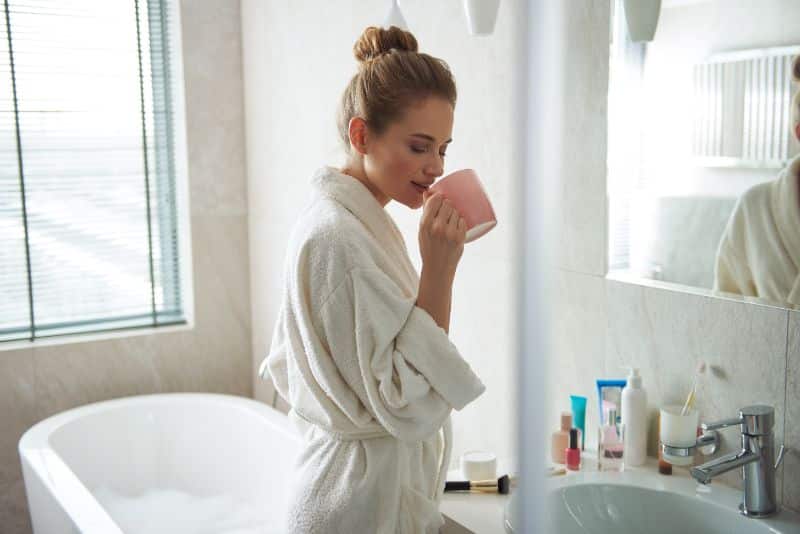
x: 759, y: 253
x: 360, y: 350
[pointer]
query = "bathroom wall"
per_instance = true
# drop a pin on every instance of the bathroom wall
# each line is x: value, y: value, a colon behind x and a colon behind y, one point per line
x: 297, y: 61
x: 213, y: 356
x: 753, y: 350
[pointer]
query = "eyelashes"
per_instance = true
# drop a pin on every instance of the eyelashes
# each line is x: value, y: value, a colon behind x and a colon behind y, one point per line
x: 418, y: 150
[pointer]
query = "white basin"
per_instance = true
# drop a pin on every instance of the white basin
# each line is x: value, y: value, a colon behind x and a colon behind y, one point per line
x: 644, y: 501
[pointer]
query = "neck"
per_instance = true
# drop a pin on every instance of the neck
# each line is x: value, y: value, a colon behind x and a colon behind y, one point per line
x: 357, y: 171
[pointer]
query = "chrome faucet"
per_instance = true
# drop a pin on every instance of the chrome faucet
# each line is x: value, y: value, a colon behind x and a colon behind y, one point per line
x: 755, y: 459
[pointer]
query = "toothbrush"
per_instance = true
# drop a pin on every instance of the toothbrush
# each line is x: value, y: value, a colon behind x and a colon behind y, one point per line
x: 699, y: 370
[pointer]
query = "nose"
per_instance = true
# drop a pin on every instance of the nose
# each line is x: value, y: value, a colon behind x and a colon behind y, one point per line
x: 435, y: 167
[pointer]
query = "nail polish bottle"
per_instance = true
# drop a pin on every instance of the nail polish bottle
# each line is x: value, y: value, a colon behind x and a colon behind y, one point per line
x: 573, y: 452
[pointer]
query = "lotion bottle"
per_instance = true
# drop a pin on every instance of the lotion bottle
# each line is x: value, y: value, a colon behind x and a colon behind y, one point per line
x: 634, y: 419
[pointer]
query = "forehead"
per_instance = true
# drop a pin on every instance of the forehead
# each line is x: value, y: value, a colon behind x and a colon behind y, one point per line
x: 432, y: 116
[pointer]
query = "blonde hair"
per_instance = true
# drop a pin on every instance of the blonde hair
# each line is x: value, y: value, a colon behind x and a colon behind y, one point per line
x: 392, y: 75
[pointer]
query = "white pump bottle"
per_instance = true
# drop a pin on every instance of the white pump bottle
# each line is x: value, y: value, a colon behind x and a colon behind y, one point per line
x: 634, y: 419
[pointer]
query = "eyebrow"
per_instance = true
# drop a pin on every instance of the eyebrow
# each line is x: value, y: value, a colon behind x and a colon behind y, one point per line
x: 429, y: 138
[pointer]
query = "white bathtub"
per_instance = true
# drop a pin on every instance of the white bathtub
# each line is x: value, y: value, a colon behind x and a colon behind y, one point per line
x: 174, y: 463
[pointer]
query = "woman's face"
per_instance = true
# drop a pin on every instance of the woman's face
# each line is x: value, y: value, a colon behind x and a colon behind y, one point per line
x: 403, y: 162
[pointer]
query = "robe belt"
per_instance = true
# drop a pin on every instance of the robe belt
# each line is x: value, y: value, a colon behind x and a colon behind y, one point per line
x: 353, y: 435
x: 446, y: 436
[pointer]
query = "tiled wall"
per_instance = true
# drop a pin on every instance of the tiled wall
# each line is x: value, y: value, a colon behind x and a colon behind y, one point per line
x: 753, y: 350
x: 791, y: 463
x: 291, y: 131
x: 215, y: 355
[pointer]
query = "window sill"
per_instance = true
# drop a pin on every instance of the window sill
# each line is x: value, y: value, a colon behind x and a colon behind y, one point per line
x: 93, y: 337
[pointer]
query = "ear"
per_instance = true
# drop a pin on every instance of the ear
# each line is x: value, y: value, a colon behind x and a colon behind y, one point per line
x: 357, y: 131
x: 797, y: 131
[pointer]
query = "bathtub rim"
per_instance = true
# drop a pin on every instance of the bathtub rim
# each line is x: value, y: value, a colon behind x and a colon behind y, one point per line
x: 37, y: 435
x: 69, y: 493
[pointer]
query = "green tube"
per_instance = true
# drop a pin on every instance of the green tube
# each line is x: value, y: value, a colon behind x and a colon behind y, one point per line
x: 579, y: 416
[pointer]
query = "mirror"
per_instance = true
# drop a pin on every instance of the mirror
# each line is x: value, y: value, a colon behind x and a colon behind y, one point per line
x: 703, y: 165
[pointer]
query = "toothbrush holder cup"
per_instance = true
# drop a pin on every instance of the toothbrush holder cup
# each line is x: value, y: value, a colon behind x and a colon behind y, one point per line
x: 678, y: 435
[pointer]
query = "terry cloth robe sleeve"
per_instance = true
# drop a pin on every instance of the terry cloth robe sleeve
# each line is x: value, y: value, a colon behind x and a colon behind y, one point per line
x: 409, y: 375
x: 731, y: 271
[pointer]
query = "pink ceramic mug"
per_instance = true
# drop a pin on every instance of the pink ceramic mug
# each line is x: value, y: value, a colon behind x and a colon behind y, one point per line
x: 464, y: 190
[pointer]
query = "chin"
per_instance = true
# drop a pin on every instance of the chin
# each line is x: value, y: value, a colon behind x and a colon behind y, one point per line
x: 414, y: 204
x: 411, y: 202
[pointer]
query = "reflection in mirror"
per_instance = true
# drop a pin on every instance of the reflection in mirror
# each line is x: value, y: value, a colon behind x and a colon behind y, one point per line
x: 703, y: 165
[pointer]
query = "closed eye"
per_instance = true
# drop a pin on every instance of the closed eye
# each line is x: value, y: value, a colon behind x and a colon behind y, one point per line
x: 419, y: 150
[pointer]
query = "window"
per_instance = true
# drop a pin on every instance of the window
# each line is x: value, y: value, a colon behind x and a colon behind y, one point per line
x: 89, y: 198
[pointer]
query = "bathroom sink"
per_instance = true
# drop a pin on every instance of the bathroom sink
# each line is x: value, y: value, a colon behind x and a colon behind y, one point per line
x: 642, y: 501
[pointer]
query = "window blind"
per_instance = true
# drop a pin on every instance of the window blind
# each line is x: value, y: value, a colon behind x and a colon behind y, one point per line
x: 742, y: 109
x: 88, y: 218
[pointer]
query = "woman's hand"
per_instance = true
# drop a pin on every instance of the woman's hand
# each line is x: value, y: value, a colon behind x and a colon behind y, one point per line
x: 442, y: 232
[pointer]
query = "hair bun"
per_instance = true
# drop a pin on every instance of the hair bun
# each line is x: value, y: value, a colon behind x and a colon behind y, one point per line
x: 375, y: 41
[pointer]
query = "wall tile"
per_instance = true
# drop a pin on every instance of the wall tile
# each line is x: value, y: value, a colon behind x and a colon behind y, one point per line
x: 267, y: 257
x: 665, y: 333
x: 219, y: 345
x: 212, y: 68
x: 582, y: 183
x: 579, y: 330
x: 791, y: 462
x: 17, y: 399
x: 221, y: 270
x: 74, y: 374
x: 482, y: 327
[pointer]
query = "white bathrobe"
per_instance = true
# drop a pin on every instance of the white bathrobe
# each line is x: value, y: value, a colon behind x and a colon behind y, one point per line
x: 370, y: 377
x: 759, y: 254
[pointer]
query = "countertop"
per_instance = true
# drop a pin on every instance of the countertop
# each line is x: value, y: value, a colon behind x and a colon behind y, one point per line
x: 473, y: 511
x: 468, y: 512
x: 483, y: 513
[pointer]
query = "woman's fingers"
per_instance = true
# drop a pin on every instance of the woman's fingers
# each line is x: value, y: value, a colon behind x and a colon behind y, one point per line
x: 445, y: 212
x: 431, y: 208
x: 441, y: 218
x: 462, y: 227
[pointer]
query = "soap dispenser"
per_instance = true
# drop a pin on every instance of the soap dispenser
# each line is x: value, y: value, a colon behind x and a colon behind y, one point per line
x: 634, y: 419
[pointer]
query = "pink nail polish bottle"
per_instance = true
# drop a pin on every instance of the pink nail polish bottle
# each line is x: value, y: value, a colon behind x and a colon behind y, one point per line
x: 573, y: 452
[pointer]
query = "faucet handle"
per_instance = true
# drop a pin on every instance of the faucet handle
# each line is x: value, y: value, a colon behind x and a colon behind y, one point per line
x: 717, y: 425
x: 757, y: 420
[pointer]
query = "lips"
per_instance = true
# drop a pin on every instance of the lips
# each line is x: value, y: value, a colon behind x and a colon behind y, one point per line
x: 419, y: 187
